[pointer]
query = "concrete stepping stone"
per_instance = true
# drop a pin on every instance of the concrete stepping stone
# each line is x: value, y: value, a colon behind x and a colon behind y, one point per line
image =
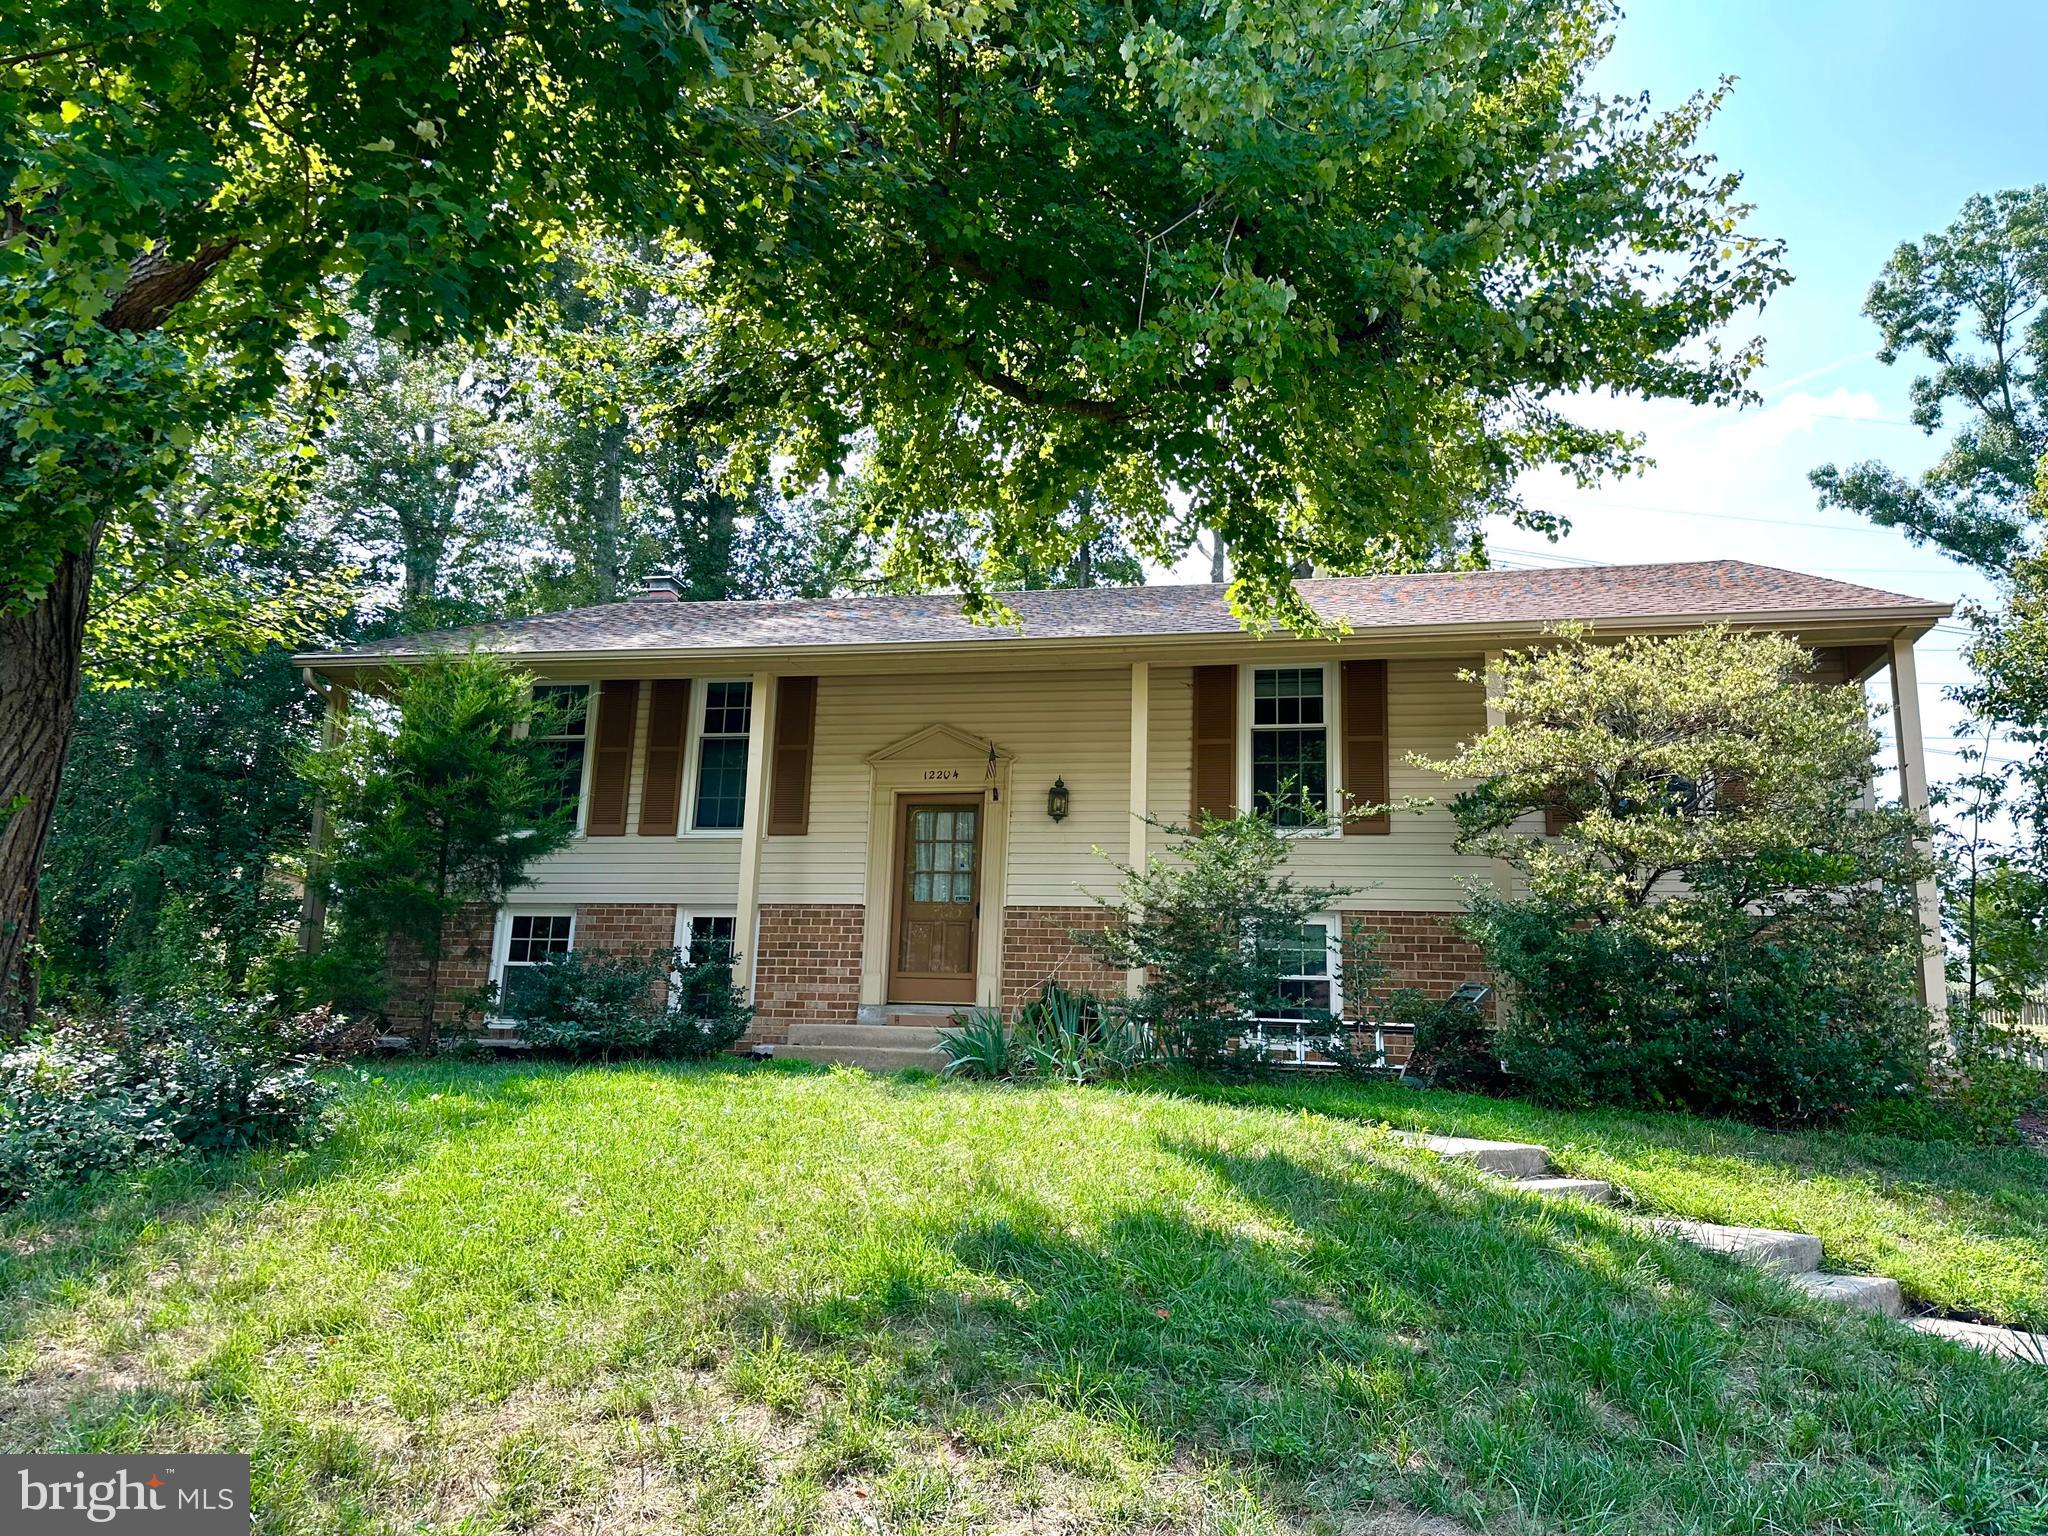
x: 1553, y: 1187
x: 1863, y: 1293
x: 2010, y: 1343
x: 1506, y: 1159
x: 1789, y: 1253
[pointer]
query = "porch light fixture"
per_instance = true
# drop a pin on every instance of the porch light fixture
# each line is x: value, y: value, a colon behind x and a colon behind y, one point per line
x: 1056, y: 800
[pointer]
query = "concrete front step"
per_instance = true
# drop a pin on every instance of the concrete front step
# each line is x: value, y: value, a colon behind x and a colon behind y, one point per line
x: 896, y: 1037
x: 1789, y: 1253
x: 1505, y: 1159
x: 1552, y: 1187
x: 914, y: 1015
x: 1863, y: 1293
x: 2011, y: 1343
x: 869, y: 1058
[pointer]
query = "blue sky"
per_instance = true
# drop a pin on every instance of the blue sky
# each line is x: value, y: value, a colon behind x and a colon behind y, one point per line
x: 1856, y: 126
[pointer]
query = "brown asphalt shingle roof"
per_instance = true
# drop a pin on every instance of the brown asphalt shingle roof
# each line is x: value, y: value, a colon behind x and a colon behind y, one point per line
x: 1708, y: 589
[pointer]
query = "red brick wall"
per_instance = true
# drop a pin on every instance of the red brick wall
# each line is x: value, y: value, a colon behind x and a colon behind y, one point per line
x: 1036, y: 947
x: 618, y: 927
x: 808, y: 968
x: 465, y: 966
x: 1423, y: 949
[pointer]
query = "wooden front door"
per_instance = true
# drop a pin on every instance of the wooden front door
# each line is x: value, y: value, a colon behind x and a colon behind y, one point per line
x: 938, y: 900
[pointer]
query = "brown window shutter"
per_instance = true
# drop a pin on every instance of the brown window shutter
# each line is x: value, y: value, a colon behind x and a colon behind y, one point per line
x: 1368, y: 774
x: 661, y: 776
x: 1558, y: 814
x: 789, y: 782
x: 1215, y: 743
x: 611, y: 765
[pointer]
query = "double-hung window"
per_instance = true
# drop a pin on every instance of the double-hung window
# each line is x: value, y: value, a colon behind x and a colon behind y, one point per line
x: 710, y: 941
x: 565, y: 729
x: 721, y: 794
x: 532, y: 939
x: 1307, y: 979
x: 1289, y: 721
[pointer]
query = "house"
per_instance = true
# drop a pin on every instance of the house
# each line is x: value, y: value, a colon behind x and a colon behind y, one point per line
x: 889, y: 812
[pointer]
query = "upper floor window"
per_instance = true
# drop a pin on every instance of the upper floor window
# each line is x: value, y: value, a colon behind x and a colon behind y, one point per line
x: 722, y: 756
x: 1290, y: 745
x: 565, y: 730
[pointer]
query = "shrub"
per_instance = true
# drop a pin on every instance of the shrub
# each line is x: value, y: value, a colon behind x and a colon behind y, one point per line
x: 77, y: 1101
x: 978, y: 1045
x: 1062, y: 1035
x: 1715, y: 917
x: 1456, y: 1047
x: 1211, y: 925
x: 597, y: 1004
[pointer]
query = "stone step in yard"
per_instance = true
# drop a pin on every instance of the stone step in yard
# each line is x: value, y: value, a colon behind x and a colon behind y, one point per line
x: 1789, y: 1253
x: 1795, y: 1256
x: 2011, y: 1343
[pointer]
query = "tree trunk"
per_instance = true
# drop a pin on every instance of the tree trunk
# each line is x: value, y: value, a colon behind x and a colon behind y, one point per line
x: 1219, y: 557
x: 608, y: 541
x: 41, y: 652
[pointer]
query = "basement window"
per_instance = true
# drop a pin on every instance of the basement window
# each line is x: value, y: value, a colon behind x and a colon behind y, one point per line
x: 532, y: 939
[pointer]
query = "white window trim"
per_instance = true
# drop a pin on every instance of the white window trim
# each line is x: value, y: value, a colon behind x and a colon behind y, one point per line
x: 1333, y: 740
x: 501, y: 935
x: 687, y: 916
x: 700, y: 697
x: 1333, y: 934
x: 589, y: 719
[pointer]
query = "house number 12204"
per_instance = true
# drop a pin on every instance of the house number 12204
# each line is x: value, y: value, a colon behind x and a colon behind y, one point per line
x: 941, y: 773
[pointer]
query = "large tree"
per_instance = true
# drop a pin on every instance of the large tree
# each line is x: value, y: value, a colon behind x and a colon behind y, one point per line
x: 1972, y: 301
x: 1308, y: 274
x: 191, y: 187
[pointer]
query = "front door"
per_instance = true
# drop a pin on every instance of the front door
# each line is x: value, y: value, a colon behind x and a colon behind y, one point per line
x: 938, y: 900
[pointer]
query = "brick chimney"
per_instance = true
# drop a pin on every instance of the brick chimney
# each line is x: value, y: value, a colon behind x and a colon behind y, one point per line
x: 659, y: 587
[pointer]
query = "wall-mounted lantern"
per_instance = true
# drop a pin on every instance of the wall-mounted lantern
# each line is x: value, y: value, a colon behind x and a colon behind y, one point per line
x: 1056, y: 801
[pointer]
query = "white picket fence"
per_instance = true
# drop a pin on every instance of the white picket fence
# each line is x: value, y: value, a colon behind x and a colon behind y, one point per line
x: 2028, y: 1023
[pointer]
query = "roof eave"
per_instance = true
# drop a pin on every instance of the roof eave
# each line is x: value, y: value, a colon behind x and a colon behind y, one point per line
x: 1917, y: 618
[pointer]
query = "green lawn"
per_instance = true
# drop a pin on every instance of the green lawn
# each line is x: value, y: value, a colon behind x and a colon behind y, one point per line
x: 765, y: 1299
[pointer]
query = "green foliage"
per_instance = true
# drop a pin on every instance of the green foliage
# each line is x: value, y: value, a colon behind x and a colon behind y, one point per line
x: 1456, y: 1047
x: 978, y: 1045
x: 1724, y: 924
x: 78, y: 1100
x: 168, y: 874
x: 597, y: 1004
x: 443, y: 800
x: 1313, y: 276
x: 1063, y: 1035
x: 1211, y: 922
x: 243, y: 155
x: 1973, y: 301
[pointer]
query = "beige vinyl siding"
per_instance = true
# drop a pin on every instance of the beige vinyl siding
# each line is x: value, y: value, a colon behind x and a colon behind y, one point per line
x: 1429, y: 710
x: 1072, y: 725
x: 692, y: 871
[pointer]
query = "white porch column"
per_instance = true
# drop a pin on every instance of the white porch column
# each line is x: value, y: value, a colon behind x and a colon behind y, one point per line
x: 313, y: 899
x: 1140, y: 797
x: 1912, y: 755
x: 753, y: 828
x: 1503, y: 871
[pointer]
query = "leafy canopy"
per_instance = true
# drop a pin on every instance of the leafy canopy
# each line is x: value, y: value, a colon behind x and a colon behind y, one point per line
x: 193, y: 185
x: 1308, y: 273
x: 1973, y: 301
x: 1704, y: 770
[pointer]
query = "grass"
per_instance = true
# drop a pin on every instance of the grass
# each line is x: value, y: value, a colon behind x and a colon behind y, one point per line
x: 767, y: 1299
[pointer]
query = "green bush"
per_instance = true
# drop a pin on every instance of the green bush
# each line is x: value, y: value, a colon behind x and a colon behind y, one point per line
x: 595, y: 1004
x: 1062, y: 1035
x: 1710, y: 912
x: 80, y: 1100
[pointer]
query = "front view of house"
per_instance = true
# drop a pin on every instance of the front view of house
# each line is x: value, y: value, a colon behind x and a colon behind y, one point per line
x: 888, y: 812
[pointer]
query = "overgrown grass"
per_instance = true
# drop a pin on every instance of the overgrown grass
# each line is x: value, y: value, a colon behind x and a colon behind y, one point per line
x: 771, y: 1299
